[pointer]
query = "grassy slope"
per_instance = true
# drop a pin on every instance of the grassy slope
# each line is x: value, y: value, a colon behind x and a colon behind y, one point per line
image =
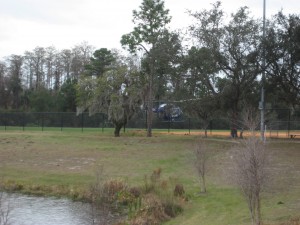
x: 68, y: 160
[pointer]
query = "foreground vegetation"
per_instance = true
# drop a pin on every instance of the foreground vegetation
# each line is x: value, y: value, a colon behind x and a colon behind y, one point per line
x: 64, y: 164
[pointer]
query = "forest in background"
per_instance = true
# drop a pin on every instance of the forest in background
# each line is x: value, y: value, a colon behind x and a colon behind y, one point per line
x: 211, y: 69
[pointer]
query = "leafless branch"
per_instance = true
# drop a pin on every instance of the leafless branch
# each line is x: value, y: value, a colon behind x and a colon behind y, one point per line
x: 201, y: 156
x: 250, y: 118
x: 250, y: 174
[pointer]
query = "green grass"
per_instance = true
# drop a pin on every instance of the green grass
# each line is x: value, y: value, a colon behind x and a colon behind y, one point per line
x: 217, y: 206
x: 61, y: 162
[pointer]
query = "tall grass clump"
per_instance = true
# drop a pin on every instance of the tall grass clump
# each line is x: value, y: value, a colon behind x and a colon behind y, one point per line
x: 155, y: 201
x: 162, y: 199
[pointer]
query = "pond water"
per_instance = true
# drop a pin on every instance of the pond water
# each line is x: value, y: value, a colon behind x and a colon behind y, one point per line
x: 31, y: 210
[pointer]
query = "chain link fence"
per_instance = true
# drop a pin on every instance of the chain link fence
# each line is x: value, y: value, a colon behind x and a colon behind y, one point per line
x: 279, y: 123
x: 46, y: 120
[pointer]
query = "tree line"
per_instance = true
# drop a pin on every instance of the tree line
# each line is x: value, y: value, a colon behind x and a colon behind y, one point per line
x: 213, y: 68
x: 43, y: 79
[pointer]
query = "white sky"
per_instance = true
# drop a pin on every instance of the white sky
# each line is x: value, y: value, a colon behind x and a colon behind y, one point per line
x: 26, y: 24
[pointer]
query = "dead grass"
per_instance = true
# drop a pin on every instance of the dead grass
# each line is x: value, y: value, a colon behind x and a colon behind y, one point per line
x: 294, y: 221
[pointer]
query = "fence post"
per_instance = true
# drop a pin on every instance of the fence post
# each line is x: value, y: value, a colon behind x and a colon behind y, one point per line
x: 146, y: 119
x: 23, y: 122
x: 5, y: 118
x: 103, y: 122
x: 82, y: 122
x: 42, y: 121
x: 189, y: 125
x: 61, y: 121
x: 288, y: 131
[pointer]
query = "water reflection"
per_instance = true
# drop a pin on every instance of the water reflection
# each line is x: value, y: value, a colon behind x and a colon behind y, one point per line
x: 30, y: 210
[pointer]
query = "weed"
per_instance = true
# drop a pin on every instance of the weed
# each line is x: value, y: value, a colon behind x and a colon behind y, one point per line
x: 151, y: 184
x: 152, y: 211
x: 179, y: 190
x: 159, y: 202
x: 112, y: 188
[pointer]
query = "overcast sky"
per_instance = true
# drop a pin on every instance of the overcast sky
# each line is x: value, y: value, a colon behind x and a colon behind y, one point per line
x: 26, y: 24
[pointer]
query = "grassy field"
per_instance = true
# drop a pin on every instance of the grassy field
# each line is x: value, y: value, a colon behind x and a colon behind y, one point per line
x: 57, y: 162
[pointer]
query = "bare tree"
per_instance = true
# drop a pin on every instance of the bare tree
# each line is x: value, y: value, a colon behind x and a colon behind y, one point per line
x: 201, y: 156
x: 250, y: 120
x: 96, y: 189
x: 15, y: 79
x: 250, y: 174
x: 81, y: 55
x: 4, y: 96
x: 50, y: 55
x: 66, y: 58
x: 58, y: 72
x: 36, y: 59
x: 29, y: 69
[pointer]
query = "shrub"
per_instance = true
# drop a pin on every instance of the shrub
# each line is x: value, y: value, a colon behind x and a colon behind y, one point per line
x: 112, y: 188
x: 155, y: 202
x: 135, y: 191
x: 172, y: 209
x: 160, y: 200
x: 156, y: 175
x: 152, y: 212
x: 150, y: 185
x: 179, y: 190
x: 109, y: 193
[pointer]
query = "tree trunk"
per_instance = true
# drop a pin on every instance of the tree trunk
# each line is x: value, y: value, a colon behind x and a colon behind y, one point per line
x: 150, y: 102
x: 234, y: 122
x: 241, y: 133
x: 205, y: 132
x: 258, y: 210
x: 203, y: 184
x: 149, y: 113
x: 118, y: 127
x: 206, y: 123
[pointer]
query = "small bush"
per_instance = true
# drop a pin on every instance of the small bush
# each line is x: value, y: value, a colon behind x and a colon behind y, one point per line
x: 160, y: 200
x: 179, y: 190
x: 153, y: 203
x: 152, y: 212
x: 112, y: 189
x: 156, y: 175
x: 109, y: 193
x: 172, y: 209
x: 135, y: 191
x: 150, y: 185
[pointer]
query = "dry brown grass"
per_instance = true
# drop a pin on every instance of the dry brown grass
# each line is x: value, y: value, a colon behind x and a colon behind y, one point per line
x: 152, y: 212
x: 224, y: 134
x: 294, y: 221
